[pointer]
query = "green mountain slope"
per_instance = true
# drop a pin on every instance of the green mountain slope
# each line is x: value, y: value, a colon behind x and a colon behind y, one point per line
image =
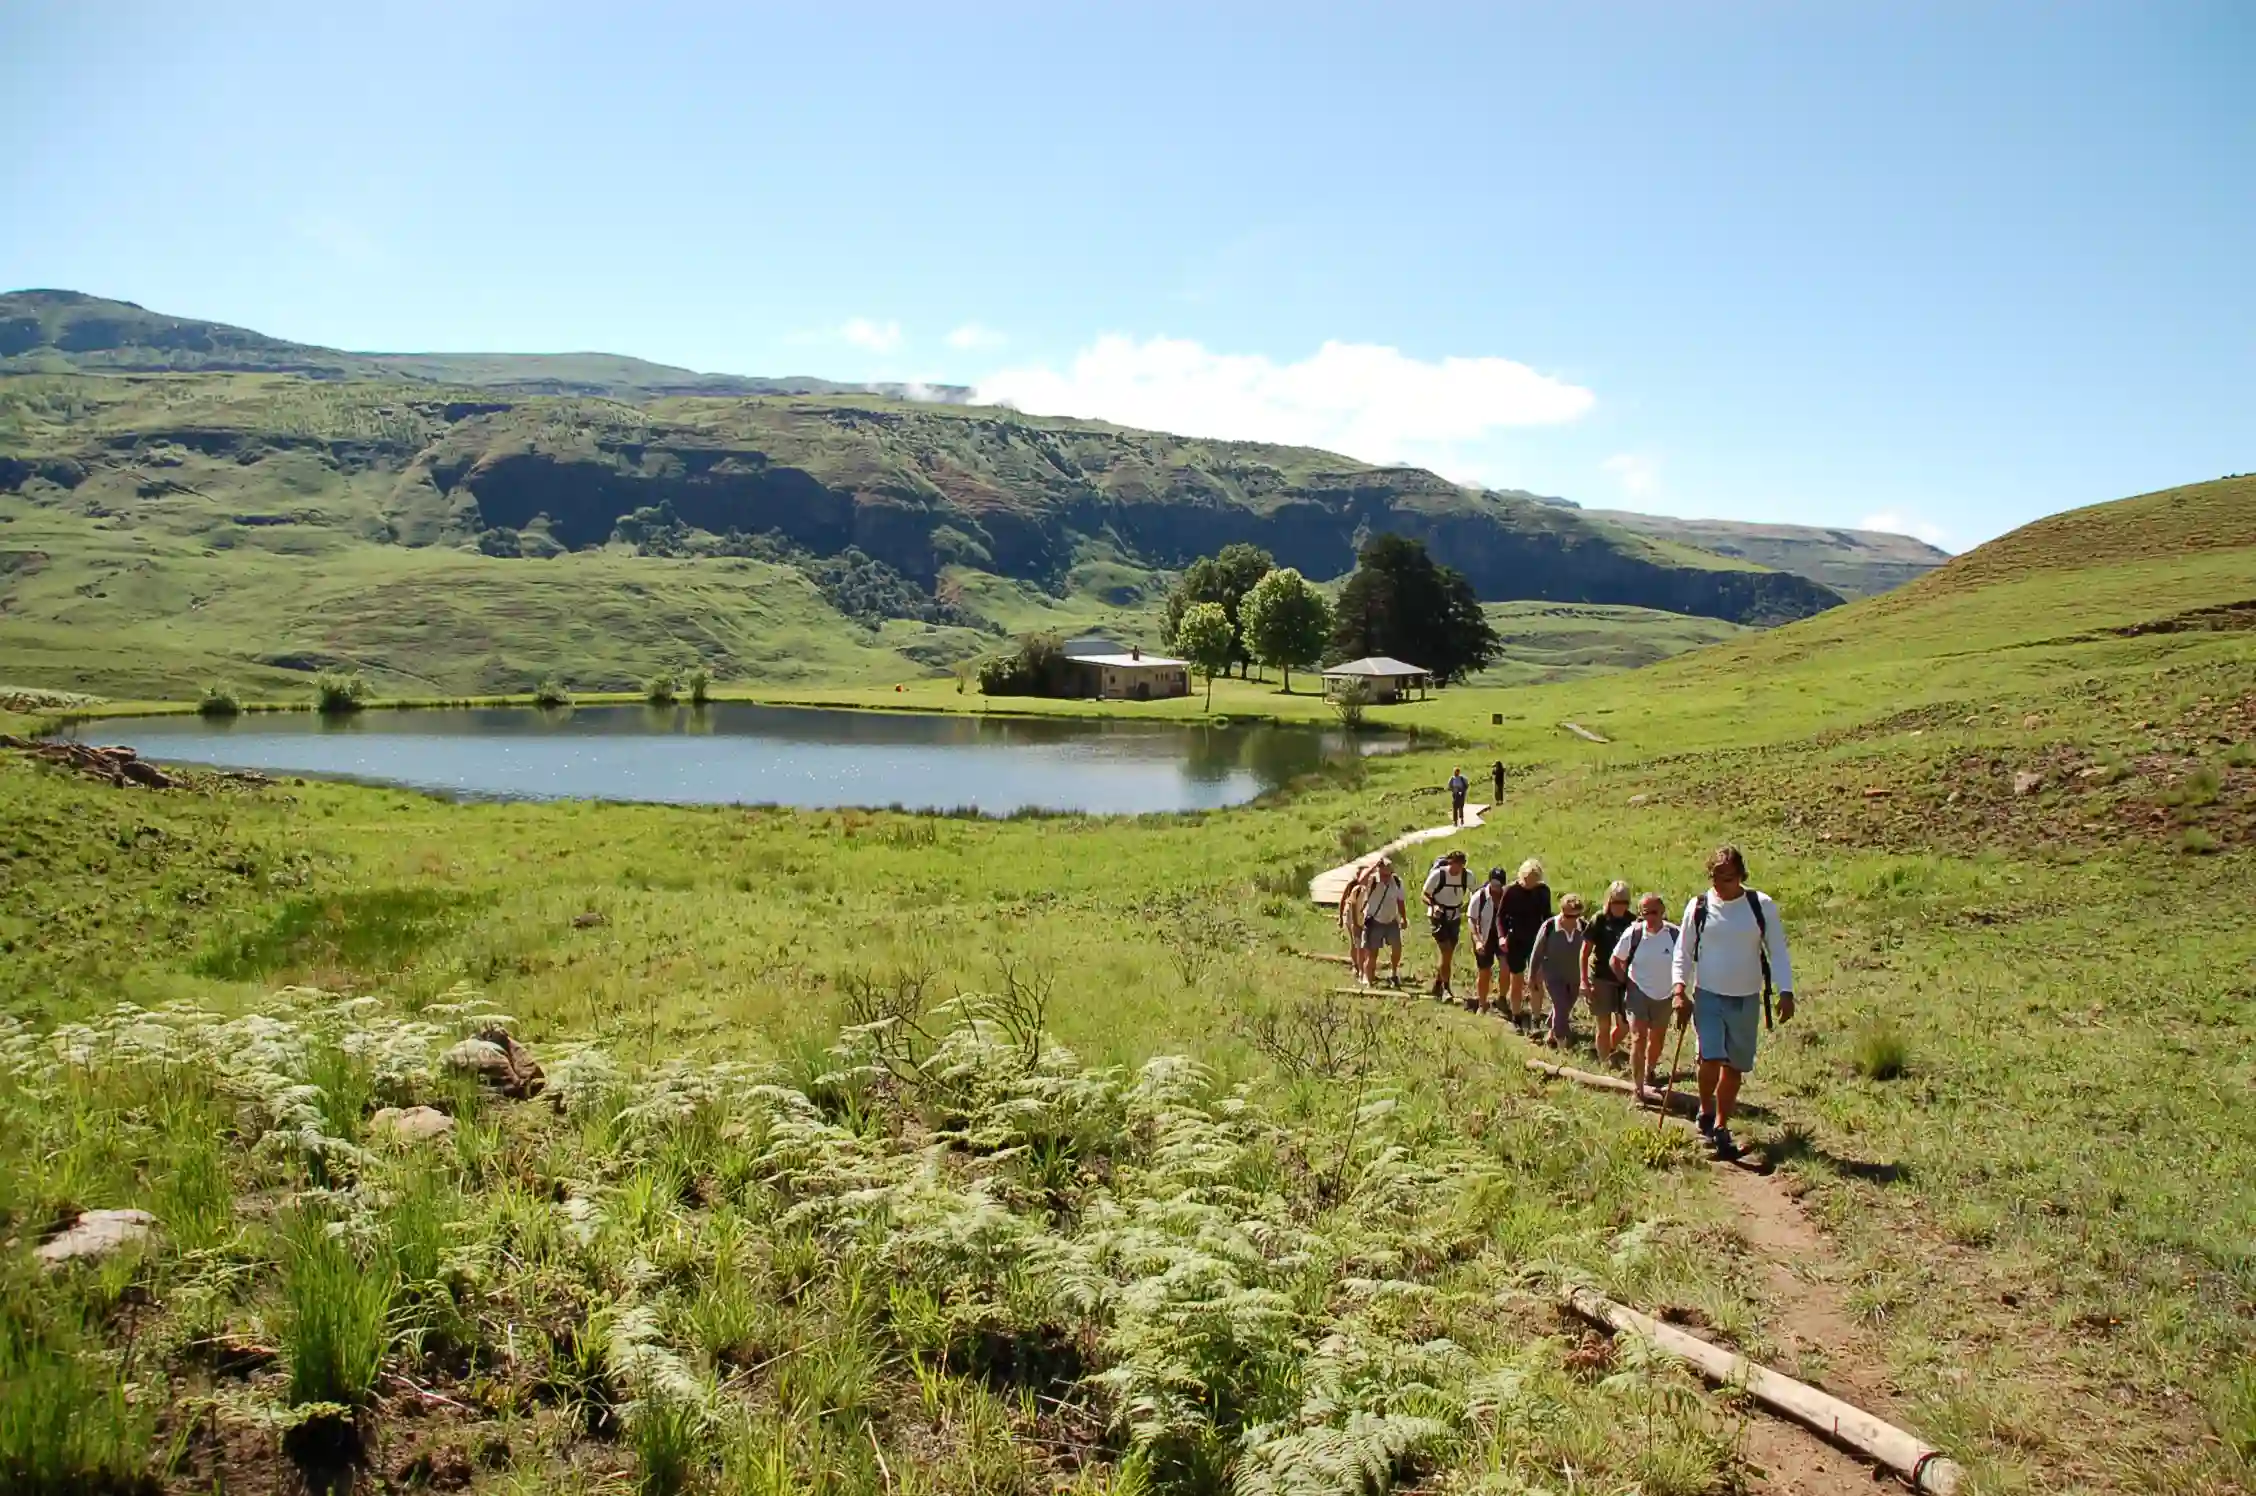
x: 45, y: 331
x: 1854, y: 563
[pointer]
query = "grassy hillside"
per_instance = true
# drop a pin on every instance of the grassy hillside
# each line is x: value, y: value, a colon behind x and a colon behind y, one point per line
x: 2016, y: 1108
x: 1854, y: 563
x: 1567, y: 641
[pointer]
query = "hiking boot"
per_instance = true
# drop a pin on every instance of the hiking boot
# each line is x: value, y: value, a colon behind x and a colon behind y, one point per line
x: 1707, y: 1125
x: 1725, y: 1149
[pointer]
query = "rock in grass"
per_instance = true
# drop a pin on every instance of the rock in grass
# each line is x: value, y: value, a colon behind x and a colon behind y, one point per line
x: 498, y: 1060
x: 2027, y: 782
x: 97, y: 1234
x: 415, y: 1124
x: 588, y: 921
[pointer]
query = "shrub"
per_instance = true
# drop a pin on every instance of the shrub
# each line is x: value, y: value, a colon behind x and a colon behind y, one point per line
x: 551, y: 692
x: 2196, y: 841
x: 340, y: 691
x: 219, y: 700
x: 669, y: 1444
x: 664, y: 689
x: 334, y: 1314
x: 1880, y: 1051
x: 700, y: 682
x: 1349, y: 702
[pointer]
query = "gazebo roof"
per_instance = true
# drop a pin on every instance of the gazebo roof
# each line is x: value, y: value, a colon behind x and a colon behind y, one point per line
x: 1377, y: 665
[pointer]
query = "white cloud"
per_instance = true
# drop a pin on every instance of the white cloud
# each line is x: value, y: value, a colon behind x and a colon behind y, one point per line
x: 1638, y: 476
x: 877, y: 337
x: 1360, y: 399
x: 975, y: 335
x: 1897, y: 522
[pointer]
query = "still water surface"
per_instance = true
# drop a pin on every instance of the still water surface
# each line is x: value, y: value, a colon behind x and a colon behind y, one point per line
x: 733, y: 753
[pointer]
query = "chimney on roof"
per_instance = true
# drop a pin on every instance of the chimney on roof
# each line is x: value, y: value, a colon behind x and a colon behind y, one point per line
x: 1135, y: 651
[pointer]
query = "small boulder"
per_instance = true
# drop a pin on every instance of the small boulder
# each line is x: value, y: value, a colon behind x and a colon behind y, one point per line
x: 2032, y: 722
x: 498, y: 1060
x: 1638, y: 799
x: 2027, y: 782
x: 97, y: 1234
x: 587, y: 921
x: 415, y: 1124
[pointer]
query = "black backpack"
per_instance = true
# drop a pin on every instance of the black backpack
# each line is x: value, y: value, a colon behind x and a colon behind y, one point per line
x: 1762, y: 940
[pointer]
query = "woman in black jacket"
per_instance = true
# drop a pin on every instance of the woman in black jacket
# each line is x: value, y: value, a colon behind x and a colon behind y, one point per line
x: 1527, y: 904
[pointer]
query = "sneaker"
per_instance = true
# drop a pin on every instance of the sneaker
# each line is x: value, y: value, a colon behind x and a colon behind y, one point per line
x: 1725, y: 1148
x: 1707, y: 1125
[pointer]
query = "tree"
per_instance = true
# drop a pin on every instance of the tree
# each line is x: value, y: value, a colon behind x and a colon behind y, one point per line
x: 1349, y: 701
x: 1223, y: 579
x: 1285, y: 622
x: 1400, y: 602
x: 1207, y: 641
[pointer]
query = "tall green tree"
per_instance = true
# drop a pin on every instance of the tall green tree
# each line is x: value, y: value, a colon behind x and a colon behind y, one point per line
x: 1285, y: 622
x: 1401, y: 602
x: 1207, y: 641
x: 1223, y: 579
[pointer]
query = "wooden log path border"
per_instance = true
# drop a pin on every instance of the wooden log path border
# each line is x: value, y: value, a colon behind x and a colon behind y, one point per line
x: 1911, y: 1458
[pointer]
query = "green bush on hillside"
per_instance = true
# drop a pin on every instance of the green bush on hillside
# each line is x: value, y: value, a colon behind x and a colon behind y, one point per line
x: 551, y: 692
x: 340, y: 691
x: 219, y: 700
x: 700, y: 683
x: 663, y: 689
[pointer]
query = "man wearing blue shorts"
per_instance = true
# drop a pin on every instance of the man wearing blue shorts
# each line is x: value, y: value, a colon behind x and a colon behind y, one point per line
x: 1729, y: 954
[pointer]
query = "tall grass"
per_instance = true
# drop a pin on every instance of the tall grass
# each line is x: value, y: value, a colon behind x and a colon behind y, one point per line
x: 1879, y: 1050
x: 66, y: 1426
x: 335, y: 1317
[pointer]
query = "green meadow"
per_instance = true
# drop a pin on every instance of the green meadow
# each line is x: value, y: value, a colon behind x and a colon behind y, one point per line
x: 888, y: 1153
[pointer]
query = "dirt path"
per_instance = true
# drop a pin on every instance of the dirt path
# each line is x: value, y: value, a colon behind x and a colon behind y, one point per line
x: 1327, y: 887
x: 1818, y: 1341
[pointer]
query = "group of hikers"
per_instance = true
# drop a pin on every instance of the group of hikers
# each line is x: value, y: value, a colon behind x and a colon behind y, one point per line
x: 1715, y: 970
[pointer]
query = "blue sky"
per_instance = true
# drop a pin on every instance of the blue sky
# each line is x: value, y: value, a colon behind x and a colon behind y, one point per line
x: 1952, y: 265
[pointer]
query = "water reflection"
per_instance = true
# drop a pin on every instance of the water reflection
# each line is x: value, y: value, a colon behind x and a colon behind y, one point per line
x: 737, y: 753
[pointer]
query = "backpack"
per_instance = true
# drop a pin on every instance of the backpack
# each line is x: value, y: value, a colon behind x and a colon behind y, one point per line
x: 1762, y: 940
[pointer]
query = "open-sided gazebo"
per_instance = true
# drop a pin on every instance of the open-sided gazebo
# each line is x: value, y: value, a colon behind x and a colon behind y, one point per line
x: 1386, y: 678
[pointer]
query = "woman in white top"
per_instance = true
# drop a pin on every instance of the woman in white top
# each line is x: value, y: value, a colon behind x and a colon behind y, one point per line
x: 1644, y: 959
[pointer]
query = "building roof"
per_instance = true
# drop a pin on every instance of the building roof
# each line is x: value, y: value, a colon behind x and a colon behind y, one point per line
x: 1378, y: 665
x: 1129, y: 662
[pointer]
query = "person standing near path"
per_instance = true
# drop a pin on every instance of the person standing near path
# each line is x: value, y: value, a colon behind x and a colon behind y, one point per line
x: 1496, y: 772
x: 1527, y: 904
x: 1351, y: 908
x: 1558, y: 963
x: 1731, y: 951
x: 1447, y: 888
x: 1458, y: 785
x: 1486, y: 915
x: 1645, y: 959
x: 1598, y: 979
x: 1383, y: 910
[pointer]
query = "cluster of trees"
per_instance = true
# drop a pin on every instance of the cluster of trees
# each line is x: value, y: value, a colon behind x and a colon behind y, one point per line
x: 1239, y: 608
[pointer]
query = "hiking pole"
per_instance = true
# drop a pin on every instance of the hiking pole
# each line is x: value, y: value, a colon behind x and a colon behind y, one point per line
x: 1670, y: 1084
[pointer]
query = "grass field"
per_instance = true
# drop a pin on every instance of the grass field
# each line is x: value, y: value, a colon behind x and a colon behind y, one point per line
x: 2009, y: 821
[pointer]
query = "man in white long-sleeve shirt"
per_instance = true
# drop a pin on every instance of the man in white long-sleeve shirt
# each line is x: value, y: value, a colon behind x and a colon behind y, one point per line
x: 1731, y: 951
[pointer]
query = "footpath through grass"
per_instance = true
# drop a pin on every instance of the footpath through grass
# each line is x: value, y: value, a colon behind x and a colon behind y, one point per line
x: 811, y: 1204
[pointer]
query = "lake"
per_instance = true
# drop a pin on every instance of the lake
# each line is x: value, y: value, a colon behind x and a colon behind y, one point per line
x: 734, y: 753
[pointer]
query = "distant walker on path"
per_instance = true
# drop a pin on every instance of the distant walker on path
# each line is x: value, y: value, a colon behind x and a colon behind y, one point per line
x: 1458, y: 785
x: 1496, y: 772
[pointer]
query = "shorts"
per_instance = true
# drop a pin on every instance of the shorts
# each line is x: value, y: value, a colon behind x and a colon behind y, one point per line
x: 1728, y: 1027
x: 1653, y: 1012
x: 1605, y: 998
x: 1517, y: 950
x: 1485, y: 953
x: 1376, y: 935
x: 1447, y: 927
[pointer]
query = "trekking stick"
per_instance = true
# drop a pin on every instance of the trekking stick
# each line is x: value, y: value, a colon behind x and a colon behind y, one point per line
x: 1670, y: 1084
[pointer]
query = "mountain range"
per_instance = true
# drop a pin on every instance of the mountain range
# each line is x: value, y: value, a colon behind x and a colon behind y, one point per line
x: 898, y: 504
